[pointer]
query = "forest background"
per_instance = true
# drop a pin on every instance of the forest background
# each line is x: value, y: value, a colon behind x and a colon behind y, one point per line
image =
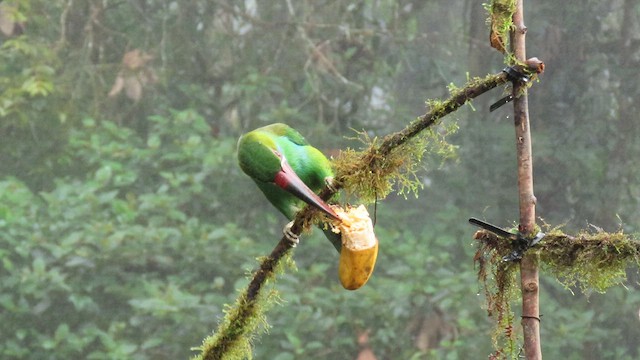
x: 126, y: 224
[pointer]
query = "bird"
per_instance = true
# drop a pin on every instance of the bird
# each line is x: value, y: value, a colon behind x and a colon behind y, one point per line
x: 288, y: 171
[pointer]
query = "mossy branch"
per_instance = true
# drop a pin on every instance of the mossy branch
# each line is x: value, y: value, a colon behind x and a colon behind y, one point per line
x: 242, y: 320
x: 379, y: 167
x: 590, y: 261
x: 373, y: 172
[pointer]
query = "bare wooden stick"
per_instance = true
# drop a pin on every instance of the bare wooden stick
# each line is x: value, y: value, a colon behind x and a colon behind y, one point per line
x: 528, y: 266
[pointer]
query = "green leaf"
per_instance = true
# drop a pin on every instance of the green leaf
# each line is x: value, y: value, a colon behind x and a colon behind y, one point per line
x: 103, y: 175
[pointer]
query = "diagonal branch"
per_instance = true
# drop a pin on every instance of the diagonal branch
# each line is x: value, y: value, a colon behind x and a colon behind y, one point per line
x: 239, y: 322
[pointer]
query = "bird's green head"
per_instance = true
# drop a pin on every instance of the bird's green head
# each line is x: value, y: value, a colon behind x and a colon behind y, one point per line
x: 261, y: 155
x: 258, y: 156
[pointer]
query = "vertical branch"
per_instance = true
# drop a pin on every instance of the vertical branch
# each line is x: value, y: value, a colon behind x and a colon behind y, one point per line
x: 528, y: 265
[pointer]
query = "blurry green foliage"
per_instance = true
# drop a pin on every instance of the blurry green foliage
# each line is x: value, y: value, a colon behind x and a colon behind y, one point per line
x: 109, y: 260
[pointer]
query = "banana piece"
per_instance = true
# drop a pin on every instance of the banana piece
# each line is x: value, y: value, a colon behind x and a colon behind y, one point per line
x: 359, y: 247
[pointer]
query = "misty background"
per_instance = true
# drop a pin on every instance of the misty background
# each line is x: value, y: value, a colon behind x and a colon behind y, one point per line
x: 126, y: 224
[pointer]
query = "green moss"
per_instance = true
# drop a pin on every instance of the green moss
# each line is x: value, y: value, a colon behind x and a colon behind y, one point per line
x: 370, y: 175
x: 501, y: 22
x: 589, y: 261
x: 500, y: 289
x: 242, y: 322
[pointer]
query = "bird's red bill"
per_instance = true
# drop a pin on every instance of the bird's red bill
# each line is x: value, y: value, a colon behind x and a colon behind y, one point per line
x: 287, y: 179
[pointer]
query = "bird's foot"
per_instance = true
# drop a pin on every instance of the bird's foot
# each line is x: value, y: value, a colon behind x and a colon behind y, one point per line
x: 331, y: 184
x: 290, y: 236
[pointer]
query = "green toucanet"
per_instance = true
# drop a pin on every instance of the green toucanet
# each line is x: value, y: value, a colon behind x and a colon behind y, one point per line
x: 287, y: 170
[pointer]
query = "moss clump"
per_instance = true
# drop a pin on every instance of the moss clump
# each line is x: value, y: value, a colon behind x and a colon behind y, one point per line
x: 371, y: 174
x: 592, y: 261
x: 500, y: 289
x: 500, y: 19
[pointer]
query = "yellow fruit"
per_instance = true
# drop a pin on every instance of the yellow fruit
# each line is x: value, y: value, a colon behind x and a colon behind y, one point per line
x: 359, y: 247
x: 356, y: 266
